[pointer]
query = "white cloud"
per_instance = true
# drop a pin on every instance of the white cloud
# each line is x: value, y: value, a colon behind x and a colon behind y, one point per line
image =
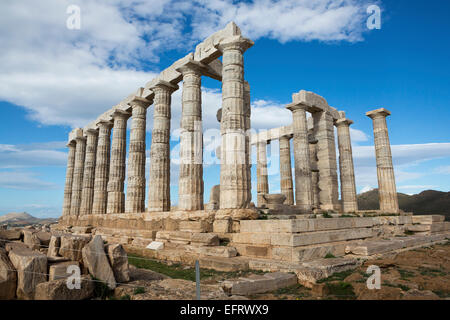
x: 442, y: 170
x: 24, y: 180
x: 33, y: 155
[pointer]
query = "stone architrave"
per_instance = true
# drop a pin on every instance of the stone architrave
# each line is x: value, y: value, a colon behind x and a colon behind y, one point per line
x: 102, y: 167
x: 286, y: 184
x: 135, y: 200
x: 303, y: 185
x: 346, y: 169
x: 69, y: 179
x: 116, y: 195
x: 234, y: 168
x: 77, y: 184
x: 159, y: 186
x: 87, y: 194
x: 190, y: 186
x: 385, y: 169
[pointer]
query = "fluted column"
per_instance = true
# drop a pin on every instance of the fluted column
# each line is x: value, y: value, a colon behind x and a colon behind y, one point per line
x: 159, y: 186
x: 262, y: 187
x: 286, y: 183
x: 234, y: 168
x: 87, y: 194
x: 248, y: 147
x: 190, y: 184
x: 346, y: 169
x: 77, y: 184
x: 327, y: 164
x: 116, y: 195
x: 102, y: 168
x: 303, y: 184
x: 314, y: 169
x: 69, y: 179
x: 135, y: 199
x: 385, y: 169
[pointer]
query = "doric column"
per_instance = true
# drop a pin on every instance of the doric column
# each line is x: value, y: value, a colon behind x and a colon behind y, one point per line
x: 286, y: 184
x: 234, y: 168
x: 159, y: 186
x: 303, y: 184
x: 87, y: 194
x: 77, y: 183
x: 262, y: 187
x: 135, y: 200
x: 346, y: 169
x: 102, y: 167
x: 69, y: 179
x: 385, y: 169
x: 190, y: 184
x: 327, y: 164
x: 116, y: 195
x: 314, y: 170
x: 248, y: 147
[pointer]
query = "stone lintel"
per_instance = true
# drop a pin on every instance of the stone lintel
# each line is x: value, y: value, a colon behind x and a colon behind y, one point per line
x: 378, y: 112
x: 294, y: 106
x: 164, y: 84
x: 237, y: 42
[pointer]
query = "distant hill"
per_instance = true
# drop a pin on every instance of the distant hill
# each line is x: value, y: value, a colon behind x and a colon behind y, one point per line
x: 424, y: 203
x: 23, y: 218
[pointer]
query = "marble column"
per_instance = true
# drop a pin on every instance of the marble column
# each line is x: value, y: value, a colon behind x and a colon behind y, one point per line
x: 87, y: 194
x: 102, y: 167
x: 262, y: 186
x: 159, y: 186
x: 69, y: 179
x: 286, y: 183
x: 248, y: 133
x: 303, y: 184
x: 314, y: 169
x: 234, y: 168
x: 327, y: 164
x: 190, y: 184
x: 346, y: 168
x: 135, y: 199
x: 116, y: 195
x: 385, y: 170
x: 77, y: 184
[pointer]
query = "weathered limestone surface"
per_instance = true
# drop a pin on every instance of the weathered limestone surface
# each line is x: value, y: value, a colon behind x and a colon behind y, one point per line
x: 118, y: 259
x: 214, y: 198
x: 58, y: 290
x: 190, y: 186
x: 314, y: 170
x: 30, y: 239
x: 347, y: 171
x: 102, y: 168
x: 385, y: 169
x: 116, y: 195
x: 8, y: 277
x: 10, y: 235
x: 286, y: 183
x: 69, y: 179
x: 327, y: 165
x: 71, y: 246
x: 77, y: 183
x: 303, y: 184
x: 254, y: 284
x: 87, y: 194
x: 262, y: 186
x: 31, y: 269
x: 159, y: 187
x: 59, y: 270
x: 247, y: 114
x: 135, y: 200
x: 234, y: 169
x: 95, y: 259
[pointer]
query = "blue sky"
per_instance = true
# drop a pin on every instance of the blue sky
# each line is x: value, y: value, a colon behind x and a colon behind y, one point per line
x: 53, y: 79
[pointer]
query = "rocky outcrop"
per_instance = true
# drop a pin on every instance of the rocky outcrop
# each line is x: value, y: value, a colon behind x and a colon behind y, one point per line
x: 58, y: 290
x: 96, y: 261
x: 31, y: 269
x: 119, y: 262
x: 8, y: 278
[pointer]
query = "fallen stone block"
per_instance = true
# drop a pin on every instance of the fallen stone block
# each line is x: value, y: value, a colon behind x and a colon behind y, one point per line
x: 205, y: 239
x: 59, y: 270
x: 31, y: 239
x: 368, y: 248
x: 15, y: 246
x: 259, y: 283
x: 181, y: 237
x: 155, y: 245
x: 10, y: 235
x: 59, y: 290
x: 71, y: 246
x: 8, y: 277
x: 223, y: 264
x: 44, y: 238
x: 31, y: 269
x: 96, y: 261
x: 118, y: 259
x: 53, y: 247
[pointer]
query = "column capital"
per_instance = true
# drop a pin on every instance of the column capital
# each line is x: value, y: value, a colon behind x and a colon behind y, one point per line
x: 163, y: 85
x: 235, y: 42
x: 104, y: 123
x: 343, y: 122
x: 295, y: 106
x: 139, y: 102
x: 89, y: 132
x: 382, y: 112
x: 286, y: 137
x: 71, y: 144
x: 192, y: 67
x: 118, y: 113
